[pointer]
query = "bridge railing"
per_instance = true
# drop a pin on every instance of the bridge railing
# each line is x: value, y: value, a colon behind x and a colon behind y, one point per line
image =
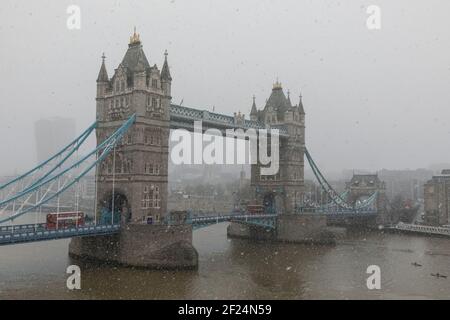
x: 31, y: 235
x: 422, y: 228
x: 21, y: 227
x: 180, y: 115
x: 339, y: 200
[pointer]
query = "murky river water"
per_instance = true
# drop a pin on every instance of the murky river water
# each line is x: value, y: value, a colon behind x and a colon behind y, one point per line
x: 239, y: 269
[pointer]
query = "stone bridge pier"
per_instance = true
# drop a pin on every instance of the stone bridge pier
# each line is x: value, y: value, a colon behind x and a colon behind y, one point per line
x: 292, y: 228
x: 141, y: 245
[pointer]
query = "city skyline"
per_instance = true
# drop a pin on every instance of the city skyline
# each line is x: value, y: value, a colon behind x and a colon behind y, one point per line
x: 370, y: 118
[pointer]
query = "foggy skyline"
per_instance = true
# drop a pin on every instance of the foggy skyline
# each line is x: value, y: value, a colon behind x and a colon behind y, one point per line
x: 373, y: 98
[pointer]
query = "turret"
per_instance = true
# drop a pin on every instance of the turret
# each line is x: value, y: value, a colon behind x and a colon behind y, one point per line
x: 135, y: 64
x: 300, y: 106
x: 140, y: 64
x: 289, y: 98
x: 166, y: 79
x: 276, y: 106
x: 254, y: 112
x: 102, y: 79
x: 239, y: 118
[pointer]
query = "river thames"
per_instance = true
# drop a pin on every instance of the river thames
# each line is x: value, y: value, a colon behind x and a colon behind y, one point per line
x: 240, y: 269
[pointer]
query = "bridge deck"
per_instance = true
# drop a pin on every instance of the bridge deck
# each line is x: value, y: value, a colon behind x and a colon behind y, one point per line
x: 340, y: 213
x: 264, y: 220
x: 37, y: 232
x: 442, y: 231
x: 32, y: 233
x: 184, y: 117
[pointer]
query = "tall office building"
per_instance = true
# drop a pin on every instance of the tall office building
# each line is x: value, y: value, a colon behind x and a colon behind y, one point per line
x: 53, y: 134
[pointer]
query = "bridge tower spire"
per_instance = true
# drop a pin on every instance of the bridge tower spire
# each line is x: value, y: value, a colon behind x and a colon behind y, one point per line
x: 102, y: 79
x: 166, y: 78
x: 254, y: 111
x: 300, y: 105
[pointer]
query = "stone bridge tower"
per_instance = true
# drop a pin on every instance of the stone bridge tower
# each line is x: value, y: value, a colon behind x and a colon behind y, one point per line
x: 282, y: 192
x: 362, y: 186
x: 140, y: 163
x: 132, y: 180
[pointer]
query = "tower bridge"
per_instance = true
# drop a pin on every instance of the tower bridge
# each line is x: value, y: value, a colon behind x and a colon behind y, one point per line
x: 131, y: 223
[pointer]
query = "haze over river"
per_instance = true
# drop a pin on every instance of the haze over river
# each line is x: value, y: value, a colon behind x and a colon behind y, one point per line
x: 240, y: 269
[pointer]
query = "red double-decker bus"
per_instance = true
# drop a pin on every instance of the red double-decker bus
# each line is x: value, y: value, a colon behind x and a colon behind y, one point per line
x: 63, y: 220
x: 255, y: 209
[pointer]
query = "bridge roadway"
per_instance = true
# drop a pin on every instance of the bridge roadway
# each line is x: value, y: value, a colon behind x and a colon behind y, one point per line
x: 339, y: 212
x: 38, y: 232
x: 421, y: 229
x: 263, y: 220
x: 184, y: 117
x: 14, y: 234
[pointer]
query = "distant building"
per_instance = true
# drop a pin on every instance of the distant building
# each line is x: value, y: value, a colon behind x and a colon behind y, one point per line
x: 87, y: 187
x: 362, y: 186
x: 405, y: 183
x: 52, y: 134
x: 199, y: 203
x: 437, y: 199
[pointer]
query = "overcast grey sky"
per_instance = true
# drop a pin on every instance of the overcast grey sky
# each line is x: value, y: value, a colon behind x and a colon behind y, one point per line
x: 373, y: 98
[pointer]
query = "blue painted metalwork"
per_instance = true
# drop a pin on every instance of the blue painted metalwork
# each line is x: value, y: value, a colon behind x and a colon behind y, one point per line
x: 184, y: 117
x: 339, y: 201
x: 20, y: 227
x: 265, y: 220
x: 105, y: 147
x: 37, y: 232
x: 181, y: 117
x: 77, y: 142
x: 33, y: 233
x: 359, y: 212
x: 106, y: 217
x: 13, y: 234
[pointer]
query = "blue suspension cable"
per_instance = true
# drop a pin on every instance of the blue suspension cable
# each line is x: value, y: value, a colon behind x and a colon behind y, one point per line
x: 108, y: 144
x: 335, y: 197
x: 81, y: 138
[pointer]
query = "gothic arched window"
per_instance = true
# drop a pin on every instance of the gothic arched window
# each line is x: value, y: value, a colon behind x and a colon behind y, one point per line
x: 156, y: 198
